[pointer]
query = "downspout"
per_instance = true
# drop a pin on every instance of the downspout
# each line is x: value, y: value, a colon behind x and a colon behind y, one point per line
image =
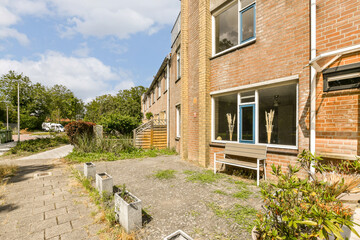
x: 168, y: 101
x: 313, y: 75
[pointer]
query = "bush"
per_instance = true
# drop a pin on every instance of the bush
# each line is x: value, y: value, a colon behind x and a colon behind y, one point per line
x: 76, y: 129
x: 2, y: 126
x: 30, y: 122
x: 38, y: 145
x: 118, y: 124
x: 301, y: 209
x: 149, y: 115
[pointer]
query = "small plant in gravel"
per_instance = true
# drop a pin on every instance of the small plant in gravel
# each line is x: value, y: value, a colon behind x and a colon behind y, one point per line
x: 220, y: 192
x: 124, y: 194
x: 202, y: 177
x: 165, y: 174
x: 242, y: 215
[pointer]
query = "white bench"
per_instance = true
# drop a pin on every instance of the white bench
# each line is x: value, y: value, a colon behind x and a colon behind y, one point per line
x: 244, y: 155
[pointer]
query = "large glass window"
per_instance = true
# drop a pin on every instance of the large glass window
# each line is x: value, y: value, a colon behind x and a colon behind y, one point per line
x: 279, y: 126
x: 229, y: 31
x: 226, y: 108
x: 178, y: 64
x: 178, y: 121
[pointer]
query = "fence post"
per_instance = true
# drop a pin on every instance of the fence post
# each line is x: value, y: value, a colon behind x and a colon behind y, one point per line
x: 152, y: 134
x: 134, y: 137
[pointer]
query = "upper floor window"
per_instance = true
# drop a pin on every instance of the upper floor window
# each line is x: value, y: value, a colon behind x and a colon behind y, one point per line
x: 234, y: 25
x: 153, y: 96
x: 159, y: 89
x: 178, y: 64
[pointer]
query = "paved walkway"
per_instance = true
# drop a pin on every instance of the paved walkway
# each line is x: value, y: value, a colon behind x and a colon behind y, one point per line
x: 45, y: 207
x: 51, y: 154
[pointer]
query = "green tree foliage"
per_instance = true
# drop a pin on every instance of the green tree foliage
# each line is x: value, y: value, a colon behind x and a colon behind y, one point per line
x: 126, y: 102
x: 116, y: 123
x: 37, y: 102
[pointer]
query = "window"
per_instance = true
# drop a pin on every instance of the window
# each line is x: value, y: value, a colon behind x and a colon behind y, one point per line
x: 265, y: 116
x: 153, y: 96
x: 234, y: 25
x: 343, y: 77
x: 178, y: 121
x: 159, y: 88
x: 178, y: 64
x: 225, y: 111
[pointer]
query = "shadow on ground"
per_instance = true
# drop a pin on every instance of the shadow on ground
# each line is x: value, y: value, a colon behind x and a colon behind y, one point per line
x: 8, y: 207
x: 24, y: 172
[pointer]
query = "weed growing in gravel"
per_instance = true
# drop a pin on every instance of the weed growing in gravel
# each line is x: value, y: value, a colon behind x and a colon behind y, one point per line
x: 165, y: 174
x: 220, y: 192
x: 243, y: 194
x: 242, y: 215
x: 202, y: 177
x: 77, y: 156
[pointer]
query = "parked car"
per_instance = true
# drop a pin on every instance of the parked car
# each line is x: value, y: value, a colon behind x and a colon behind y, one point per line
x: 57, y: 127
x: 45, y: 126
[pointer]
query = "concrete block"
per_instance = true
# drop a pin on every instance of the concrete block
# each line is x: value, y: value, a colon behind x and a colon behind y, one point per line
x: 129, y: 215
x: 89, y: 170
x: 104, y: 183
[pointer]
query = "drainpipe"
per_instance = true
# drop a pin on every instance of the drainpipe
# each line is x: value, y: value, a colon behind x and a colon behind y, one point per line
x: 313, y: 75
x: 168, y: 100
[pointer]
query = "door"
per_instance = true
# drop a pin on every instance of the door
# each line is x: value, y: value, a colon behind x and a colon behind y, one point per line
x: 247, y: 123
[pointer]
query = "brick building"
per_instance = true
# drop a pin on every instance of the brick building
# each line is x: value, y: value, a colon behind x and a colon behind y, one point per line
x: 244, y: 58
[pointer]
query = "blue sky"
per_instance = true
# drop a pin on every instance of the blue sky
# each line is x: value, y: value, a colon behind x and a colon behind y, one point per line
x: 93, y: 47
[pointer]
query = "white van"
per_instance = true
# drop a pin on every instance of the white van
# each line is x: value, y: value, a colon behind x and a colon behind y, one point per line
x: 57, y: 127
x: 45, y: 126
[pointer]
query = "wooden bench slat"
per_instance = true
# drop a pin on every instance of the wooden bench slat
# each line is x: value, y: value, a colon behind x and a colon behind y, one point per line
x: 239, y: 162
x: 244, y: 154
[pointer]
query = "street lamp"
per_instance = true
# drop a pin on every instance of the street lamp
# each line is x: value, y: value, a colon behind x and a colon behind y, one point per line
x: 18, y: 95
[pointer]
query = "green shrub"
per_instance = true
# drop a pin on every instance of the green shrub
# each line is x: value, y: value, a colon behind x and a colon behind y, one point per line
x: 30, y: 122
x: 2, y: 126
x: 76, y: 129
x: 149, y: 115
x: 38, y: 145
x: 298, y: 208
x: 118, y: 124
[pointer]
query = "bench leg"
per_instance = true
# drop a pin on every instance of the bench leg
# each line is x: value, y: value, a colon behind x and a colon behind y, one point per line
x: 214, y: 163
x: 258, y: 173
x: 264, y: 169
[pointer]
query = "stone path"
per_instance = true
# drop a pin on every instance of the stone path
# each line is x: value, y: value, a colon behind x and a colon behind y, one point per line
x: 48, y: 206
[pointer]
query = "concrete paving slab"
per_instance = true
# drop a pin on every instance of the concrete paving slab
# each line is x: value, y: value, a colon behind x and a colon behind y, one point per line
x: 52, y: 154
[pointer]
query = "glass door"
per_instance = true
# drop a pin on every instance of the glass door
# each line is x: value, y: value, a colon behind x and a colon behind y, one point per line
x: 247, y: 123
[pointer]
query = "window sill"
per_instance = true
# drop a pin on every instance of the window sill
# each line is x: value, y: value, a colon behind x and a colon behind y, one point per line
x: 232, y: 49
x: 165, y: 91
x: 158, y: 97
x: 177, y: 139
x: 178, y: 79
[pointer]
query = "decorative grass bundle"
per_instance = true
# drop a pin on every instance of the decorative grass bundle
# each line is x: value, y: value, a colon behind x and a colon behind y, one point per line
x: 231, y: 124
x: 269, y: 123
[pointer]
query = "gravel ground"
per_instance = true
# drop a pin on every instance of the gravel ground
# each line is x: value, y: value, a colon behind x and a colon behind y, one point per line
x: 181, y: 204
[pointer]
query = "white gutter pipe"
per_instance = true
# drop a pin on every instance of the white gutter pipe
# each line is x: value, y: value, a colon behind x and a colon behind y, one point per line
x: 313, y: 75
x: 168, y: 101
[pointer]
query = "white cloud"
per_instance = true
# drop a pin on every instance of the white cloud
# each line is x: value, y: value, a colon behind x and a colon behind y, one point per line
x: 86, y: 77
x: 13, y: 33
x: 83, y: 51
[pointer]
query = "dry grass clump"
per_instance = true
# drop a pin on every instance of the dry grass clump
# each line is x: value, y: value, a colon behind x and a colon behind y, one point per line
x: 7, y: 171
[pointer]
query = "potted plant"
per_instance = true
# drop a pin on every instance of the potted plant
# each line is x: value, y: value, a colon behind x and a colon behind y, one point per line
x: 104, y: 183
x: 128, y: 210
x: 298, y: 208
x: 89, y: 170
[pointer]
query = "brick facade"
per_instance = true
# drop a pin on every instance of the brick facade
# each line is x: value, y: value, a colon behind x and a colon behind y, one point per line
x: 281, y: 51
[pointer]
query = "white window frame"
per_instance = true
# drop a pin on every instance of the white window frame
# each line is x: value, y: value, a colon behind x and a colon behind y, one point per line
x: 223, y: 9
x: 256, y: 114
x: 178, y: 64
x: 178, y: 121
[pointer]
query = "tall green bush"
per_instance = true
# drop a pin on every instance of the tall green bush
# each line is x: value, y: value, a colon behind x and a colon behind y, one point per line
x: 30, y: 122
x: 119, y: 124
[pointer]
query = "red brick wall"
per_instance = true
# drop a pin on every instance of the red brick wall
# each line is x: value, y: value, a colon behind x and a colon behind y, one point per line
x: 338, y: 112
x: 281, y: 49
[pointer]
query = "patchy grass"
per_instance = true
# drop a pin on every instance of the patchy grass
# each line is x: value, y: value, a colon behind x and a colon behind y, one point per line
x: 165, y: 174
x: 37, y: 145
x: 242, y: 215
x: 80, y: 157
x: 7, y: 171
x: 220, y: 192
x: 243, y: 194
x: 105, y: 205
x: 202, y: 177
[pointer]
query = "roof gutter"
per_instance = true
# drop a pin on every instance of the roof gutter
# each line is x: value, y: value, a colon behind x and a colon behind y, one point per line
x: 313, y: 76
